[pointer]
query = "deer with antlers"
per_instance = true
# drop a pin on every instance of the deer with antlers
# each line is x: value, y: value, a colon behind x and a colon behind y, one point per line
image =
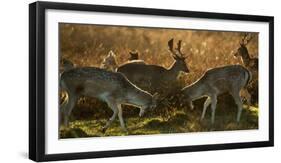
x: 154, y: 78
x: 242, y: 51
x: 251, y: 64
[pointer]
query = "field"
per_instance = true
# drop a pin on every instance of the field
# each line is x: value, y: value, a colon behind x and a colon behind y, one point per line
x: 87, y: 45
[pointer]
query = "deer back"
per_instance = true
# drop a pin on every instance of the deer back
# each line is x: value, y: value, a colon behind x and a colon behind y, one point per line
x: 154, y: 78
x: 143, y: 75
x: 233, y: 74
x: 96, y: 82
x: 219, y: 80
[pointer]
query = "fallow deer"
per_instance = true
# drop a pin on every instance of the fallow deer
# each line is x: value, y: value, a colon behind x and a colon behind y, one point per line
x: 249, y: 63
x: 110, y: 62
x: 66, y: 65
x: 242, y: 51
x: 134, y: 55
x: 111, y: 87
x: 154, y: 78
x: 228, y: 79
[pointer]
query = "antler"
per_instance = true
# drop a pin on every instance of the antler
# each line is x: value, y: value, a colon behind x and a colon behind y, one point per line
x: 171, y: 44
x: 178, y: 54
x: 249, y: 39
x: 179, y: 47
x: 246, y: 40
x: 171, y: 48
x: 243, y: 38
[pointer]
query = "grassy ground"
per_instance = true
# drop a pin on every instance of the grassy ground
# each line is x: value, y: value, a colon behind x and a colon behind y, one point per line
x: 178, y: 122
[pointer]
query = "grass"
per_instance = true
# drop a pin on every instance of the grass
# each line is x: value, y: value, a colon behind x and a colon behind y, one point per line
x: 178, y: 122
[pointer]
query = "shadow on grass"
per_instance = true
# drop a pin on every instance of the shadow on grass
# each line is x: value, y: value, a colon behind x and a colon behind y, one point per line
x: 177, y: 122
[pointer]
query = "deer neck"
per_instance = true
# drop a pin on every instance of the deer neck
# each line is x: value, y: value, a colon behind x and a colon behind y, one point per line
x: 114, y: 65
x: 195, y: 90
x: 246, y: 58
x: 174, y: 69
x: 138, y: 97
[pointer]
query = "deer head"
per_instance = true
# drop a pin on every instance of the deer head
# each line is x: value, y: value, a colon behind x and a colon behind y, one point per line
x: 178, y: 55
x: 242, y: 50
x: 154, y: 101
x: 66, y: 65
x: 134, y: 55
x: 109, y: 62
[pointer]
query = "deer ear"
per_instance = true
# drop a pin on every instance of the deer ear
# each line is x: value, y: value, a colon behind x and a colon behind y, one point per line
x: 176, y: 57
x: 171, y: 43
x: 111, y: 53
x: 156, y: 95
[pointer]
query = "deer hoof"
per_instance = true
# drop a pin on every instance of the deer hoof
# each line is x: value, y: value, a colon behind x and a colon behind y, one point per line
x: 103, y: 130
x: 126, y: 131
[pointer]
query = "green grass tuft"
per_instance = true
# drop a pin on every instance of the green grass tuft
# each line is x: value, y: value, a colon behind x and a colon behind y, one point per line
x: 178, y: 122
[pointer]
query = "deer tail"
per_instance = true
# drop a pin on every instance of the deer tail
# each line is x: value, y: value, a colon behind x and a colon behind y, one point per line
x: 248, y: 76
x: 63, y: 87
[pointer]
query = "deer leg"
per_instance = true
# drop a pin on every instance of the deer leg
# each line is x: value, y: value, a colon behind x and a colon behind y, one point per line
x: 247, y: 96
x: 239, y: 104
x: 121, y: 118
x: 213, y: 106
x: 206, y: 104
x: 62, y: 109
x: 68, y: 109
x: 114, y: 108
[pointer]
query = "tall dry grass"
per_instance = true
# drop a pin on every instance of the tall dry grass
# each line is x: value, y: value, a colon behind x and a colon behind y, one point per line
x: 87, y: 45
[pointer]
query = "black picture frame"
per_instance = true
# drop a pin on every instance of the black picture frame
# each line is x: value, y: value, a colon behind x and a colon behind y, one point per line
x: 37, y: 80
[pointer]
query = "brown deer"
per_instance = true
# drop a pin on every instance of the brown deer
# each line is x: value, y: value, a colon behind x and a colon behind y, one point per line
x: 154, y: 78
x: 111, y: 87
x: 249, y: 63
x: 134, y: 55
x: 228, y: 79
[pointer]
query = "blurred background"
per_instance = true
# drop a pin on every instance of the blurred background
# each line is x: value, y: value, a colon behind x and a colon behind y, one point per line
x: 87, y: 45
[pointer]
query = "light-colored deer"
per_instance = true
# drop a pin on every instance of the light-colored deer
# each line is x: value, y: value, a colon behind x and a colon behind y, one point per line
x: 154, y: 78
x: 242, y: 51
x: 110, y: 62
x: 112, y: 87
x: 228, y: 79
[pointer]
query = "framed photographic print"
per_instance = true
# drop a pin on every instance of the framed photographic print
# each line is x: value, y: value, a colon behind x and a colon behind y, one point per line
x: 111, y: 81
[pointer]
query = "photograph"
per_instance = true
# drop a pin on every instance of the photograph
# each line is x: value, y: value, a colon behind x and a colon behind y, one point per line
x: 112, y: 81
x: 131, y: 80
